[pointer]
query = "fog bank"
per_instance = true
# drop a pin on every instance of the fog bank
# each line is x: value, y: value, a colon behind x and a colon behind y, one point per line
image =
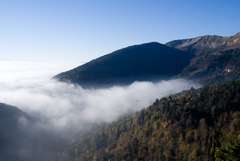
x: 61, y: 105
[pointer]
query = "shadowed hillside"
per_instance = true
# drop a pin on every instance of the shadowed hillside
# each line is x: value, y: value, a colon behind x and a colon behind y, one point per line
x: 140, y: 62
x: 11, y: 124
x: 22, y: 139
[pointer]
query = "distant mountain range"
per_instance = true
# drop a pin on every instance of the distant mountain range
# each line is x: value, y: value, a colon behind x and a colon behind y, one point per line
x: 150, y: 61
x: 208, y: 59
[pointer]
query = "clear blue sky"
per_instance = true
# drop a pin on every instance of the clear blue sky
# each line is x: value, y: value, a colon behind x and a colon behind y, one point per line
x: 78, y: 30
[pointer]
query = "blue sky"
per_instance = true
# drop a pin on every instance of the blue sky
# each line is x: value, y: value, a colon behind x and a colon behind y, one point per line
x: 79, y: 30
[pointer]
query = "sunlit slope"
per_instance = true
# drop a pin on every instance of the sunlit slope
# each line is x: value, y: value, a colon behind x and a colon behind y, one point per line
x: 194, y: 125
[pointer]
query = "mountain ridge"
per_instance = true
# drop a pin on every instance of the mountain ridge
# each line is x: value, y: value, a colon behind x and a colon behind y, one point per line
x: 216, y: 58
x: 138, y: 62
x: 206, y: 42
x: 154, y: 61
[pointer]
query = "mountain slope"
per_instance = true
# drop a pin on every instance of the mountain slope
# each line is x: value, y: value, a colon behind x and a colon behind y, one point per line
x: 193, y: 125
x: 215, y: 67
x: 22, y: 139
x: 206, y: 43
x: 216, y: 58
x: 139, y: 62
x: 11, y: 130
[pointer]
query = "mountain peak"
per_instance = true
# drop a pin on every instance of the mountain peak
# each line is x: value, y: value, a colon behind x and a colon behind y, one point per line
x: 237, y: 34
x: 146, y: 61
x: 206, y: 42
x: 152, y: 43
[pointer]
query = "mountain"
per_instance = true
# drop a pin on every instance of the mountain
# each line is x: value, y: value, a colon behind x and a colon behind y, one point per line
x: 216, y: 59
x: 11, y: 129
x: 214, y: 67
x: 208, y: 59
x: 23, y: 139
x: 139, y: 62
x: 199, y: 124
x: 206, y: 43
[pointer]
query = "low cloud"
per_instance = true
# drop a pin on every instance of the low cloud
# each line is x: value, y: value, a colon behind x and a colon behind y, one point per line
x: 61, y: 105
x: 64, y: 111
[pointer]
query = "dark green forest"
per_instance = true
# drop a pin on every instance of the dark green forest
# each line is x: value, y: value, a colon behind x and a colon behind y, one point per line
x: 199, y: 124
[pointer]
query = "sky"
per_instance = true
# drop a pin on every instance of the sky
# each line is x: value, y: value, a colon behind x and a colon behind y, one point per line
x: 76, y: 31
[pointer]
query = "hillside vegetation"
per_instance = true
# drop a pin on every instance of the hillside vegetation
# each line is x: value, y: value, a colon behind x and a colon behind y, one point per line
x: 216, y: 67
x: 199, y: 125
x: 216, y: 58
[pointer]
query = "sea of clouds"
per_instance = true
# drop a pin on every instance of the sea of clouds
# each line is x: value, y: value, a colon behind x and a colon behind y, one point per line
x: 30, y: 87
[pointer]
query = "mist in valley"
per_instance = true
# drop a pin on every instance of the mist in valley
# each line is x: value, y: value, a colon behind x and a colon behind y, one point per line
x: 60, y: 111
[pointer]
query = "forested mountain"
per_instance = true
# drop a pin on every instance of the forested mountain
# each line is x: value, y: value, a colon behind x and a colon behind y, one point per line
x: 216, y: 59
x: 214, y: 67
x: 208, y: 59
x: 199, y: 124
x: 139, y: 62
